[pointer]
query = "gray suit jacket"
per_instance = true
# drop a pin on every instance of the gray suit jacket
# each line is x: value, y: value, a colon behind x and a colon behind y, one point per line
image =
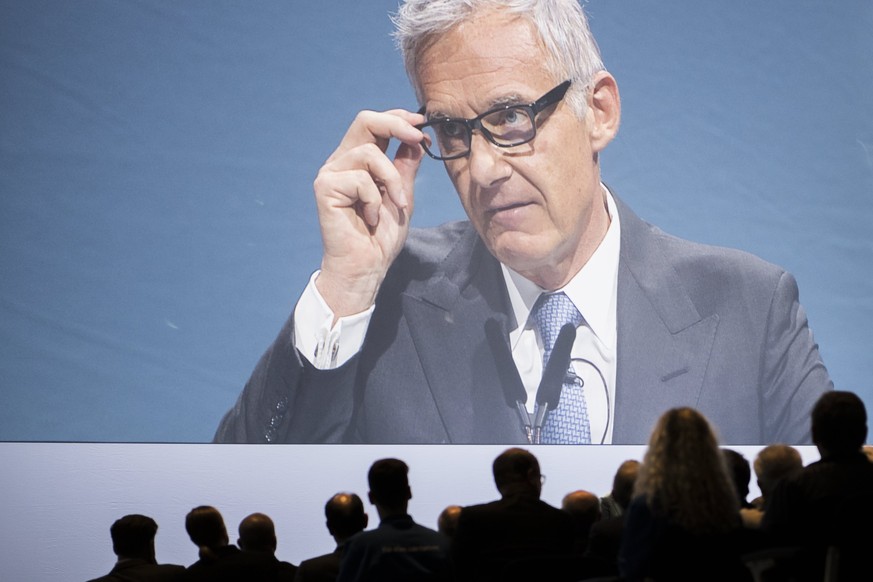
x: 716, y: 329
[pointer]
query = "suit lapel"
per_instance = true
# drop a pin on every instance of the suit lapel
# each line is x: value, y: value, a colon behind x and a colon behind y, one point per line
x: 663, y: 344
x: 447, y: 320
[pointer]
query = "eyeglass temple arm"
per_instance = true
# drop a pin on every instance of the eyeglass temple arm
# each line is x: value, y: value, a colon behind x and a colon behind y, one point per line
x: 552, y: 96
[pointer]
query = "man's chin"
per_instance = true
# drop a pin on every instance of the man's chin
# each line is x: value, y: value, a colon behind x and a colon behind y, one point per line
x: 531, y: 256
x: 520, y: 256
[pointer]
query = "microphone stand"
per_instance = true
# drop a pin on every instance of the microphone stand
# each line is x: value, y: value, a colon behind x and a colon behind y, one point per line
x: 549, y: 390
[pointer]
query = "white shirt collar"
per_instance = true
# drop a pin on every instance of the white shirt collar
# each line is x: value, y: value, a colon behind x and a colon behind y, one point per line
x: 593, y: 290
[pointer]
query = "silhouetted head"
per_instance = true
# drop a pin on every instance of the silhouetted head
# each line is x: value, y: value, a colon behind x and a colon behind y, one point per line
x: 584, y: 508
x: 447, y: 522
x: 517, y: 471
x: 684, y: 475
x: 839, y: 423
x: 774, y: 463
x: 623, y: 482
x: 257, y: 534
x: 133, y: 536
x: 205, y: 527
x: 389, y: 485
x: 740, y: 471
x: 345, y: 516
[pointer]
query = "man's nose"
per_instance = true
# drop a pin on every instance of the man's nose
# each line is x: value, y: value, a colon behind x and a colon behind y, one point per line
x: 488, y: 165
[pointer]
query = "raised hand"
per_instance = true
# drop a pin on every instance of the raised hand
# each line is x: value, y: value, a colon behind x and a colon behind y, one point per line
x: 365, y: 202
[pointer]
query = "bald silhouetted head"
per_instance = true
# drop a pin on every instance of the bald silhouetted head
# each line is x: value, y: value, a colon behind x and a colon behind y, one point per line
x: 584, y: 508
x: 257, y: 534
x: 345, y: 516
x: 447, y: 522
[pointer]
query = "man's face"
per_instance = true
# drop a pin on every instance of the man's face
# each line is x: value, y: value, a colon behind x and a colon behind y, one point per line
x: 539, y: 206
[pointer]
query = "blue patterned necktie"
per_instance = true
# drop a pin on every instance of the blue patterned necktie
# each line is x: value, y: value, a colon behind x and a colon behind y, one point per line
x: 567, y: 424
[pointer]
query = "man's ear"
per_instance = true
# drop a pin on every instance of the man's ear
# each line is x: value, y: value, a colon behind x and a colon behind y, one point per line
x: 605, y: 108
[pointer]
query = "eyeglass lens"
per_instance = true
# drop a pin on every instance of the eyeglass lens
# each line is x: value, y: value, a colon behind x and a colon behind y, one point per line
x: 507, y: 127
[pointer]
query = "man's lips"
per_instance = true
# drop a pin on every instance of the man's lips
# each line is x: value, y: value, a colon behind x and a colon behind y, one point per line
x: 512, y: 216
x: 495, y: 209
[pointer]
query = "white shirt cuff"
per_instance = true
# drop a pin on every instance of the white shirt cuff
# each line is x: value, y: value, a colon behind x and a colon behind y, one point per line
x: 324, y: 345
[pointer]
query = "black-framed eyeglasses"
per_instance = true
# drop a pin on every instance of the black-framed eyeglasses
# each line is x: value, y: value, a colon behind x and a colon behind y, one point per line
x: 506, y: 126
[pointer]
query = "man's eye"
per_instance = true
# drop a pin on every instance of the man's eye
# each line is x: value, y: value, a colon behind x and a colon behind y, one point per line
x: 452, y: 130
x: 511, y: 117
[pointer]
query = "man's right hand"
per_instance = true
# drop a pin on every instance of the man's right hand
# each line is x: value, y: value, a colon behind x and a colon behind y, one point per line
x: 365, y: 202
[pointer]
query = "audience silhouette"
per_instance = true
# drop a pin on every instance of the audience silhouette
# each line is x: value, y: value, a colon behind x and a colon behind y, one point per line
x: 133, y: 541
x: 772, y: 464
x: 447, y: 522
x: 399, y: 550
x: 604, y: 539
x: 678, y: 515
x: 257, y: 534
x: 683, y: 523
x: 827, y: 507
x: 219, y: 560
x: 584, y: 508
x: 501, y: 540
x: 615, y: 504
x: 740, y: 472
x: 344, y: 513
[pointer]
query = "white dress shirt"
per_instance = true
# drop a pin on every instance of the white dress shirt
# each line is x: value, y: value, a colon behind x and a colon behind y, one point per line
x: 593, y: 291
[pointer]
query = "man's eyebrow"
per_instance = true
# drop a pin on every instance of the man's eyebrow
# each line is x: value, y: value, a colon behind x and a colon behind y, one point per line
x: 436, y: 115
x: 502, y: 101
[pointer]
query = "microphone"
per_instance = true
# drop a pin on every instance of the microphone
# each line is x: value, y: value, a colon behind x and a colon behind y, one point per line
x: 549, y: 390
x: 510, y: 381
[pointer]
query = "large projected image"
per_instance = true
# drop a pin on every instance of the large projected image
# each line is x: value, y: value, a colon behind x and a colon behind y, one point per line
x: 173, y: 176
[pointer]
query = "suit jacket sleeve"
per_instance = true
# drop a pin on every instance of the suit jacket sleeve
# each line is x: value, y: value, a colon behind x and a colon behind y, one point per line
x: 424, y: 373
x: 793, y: 376
x: 288, y: 400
